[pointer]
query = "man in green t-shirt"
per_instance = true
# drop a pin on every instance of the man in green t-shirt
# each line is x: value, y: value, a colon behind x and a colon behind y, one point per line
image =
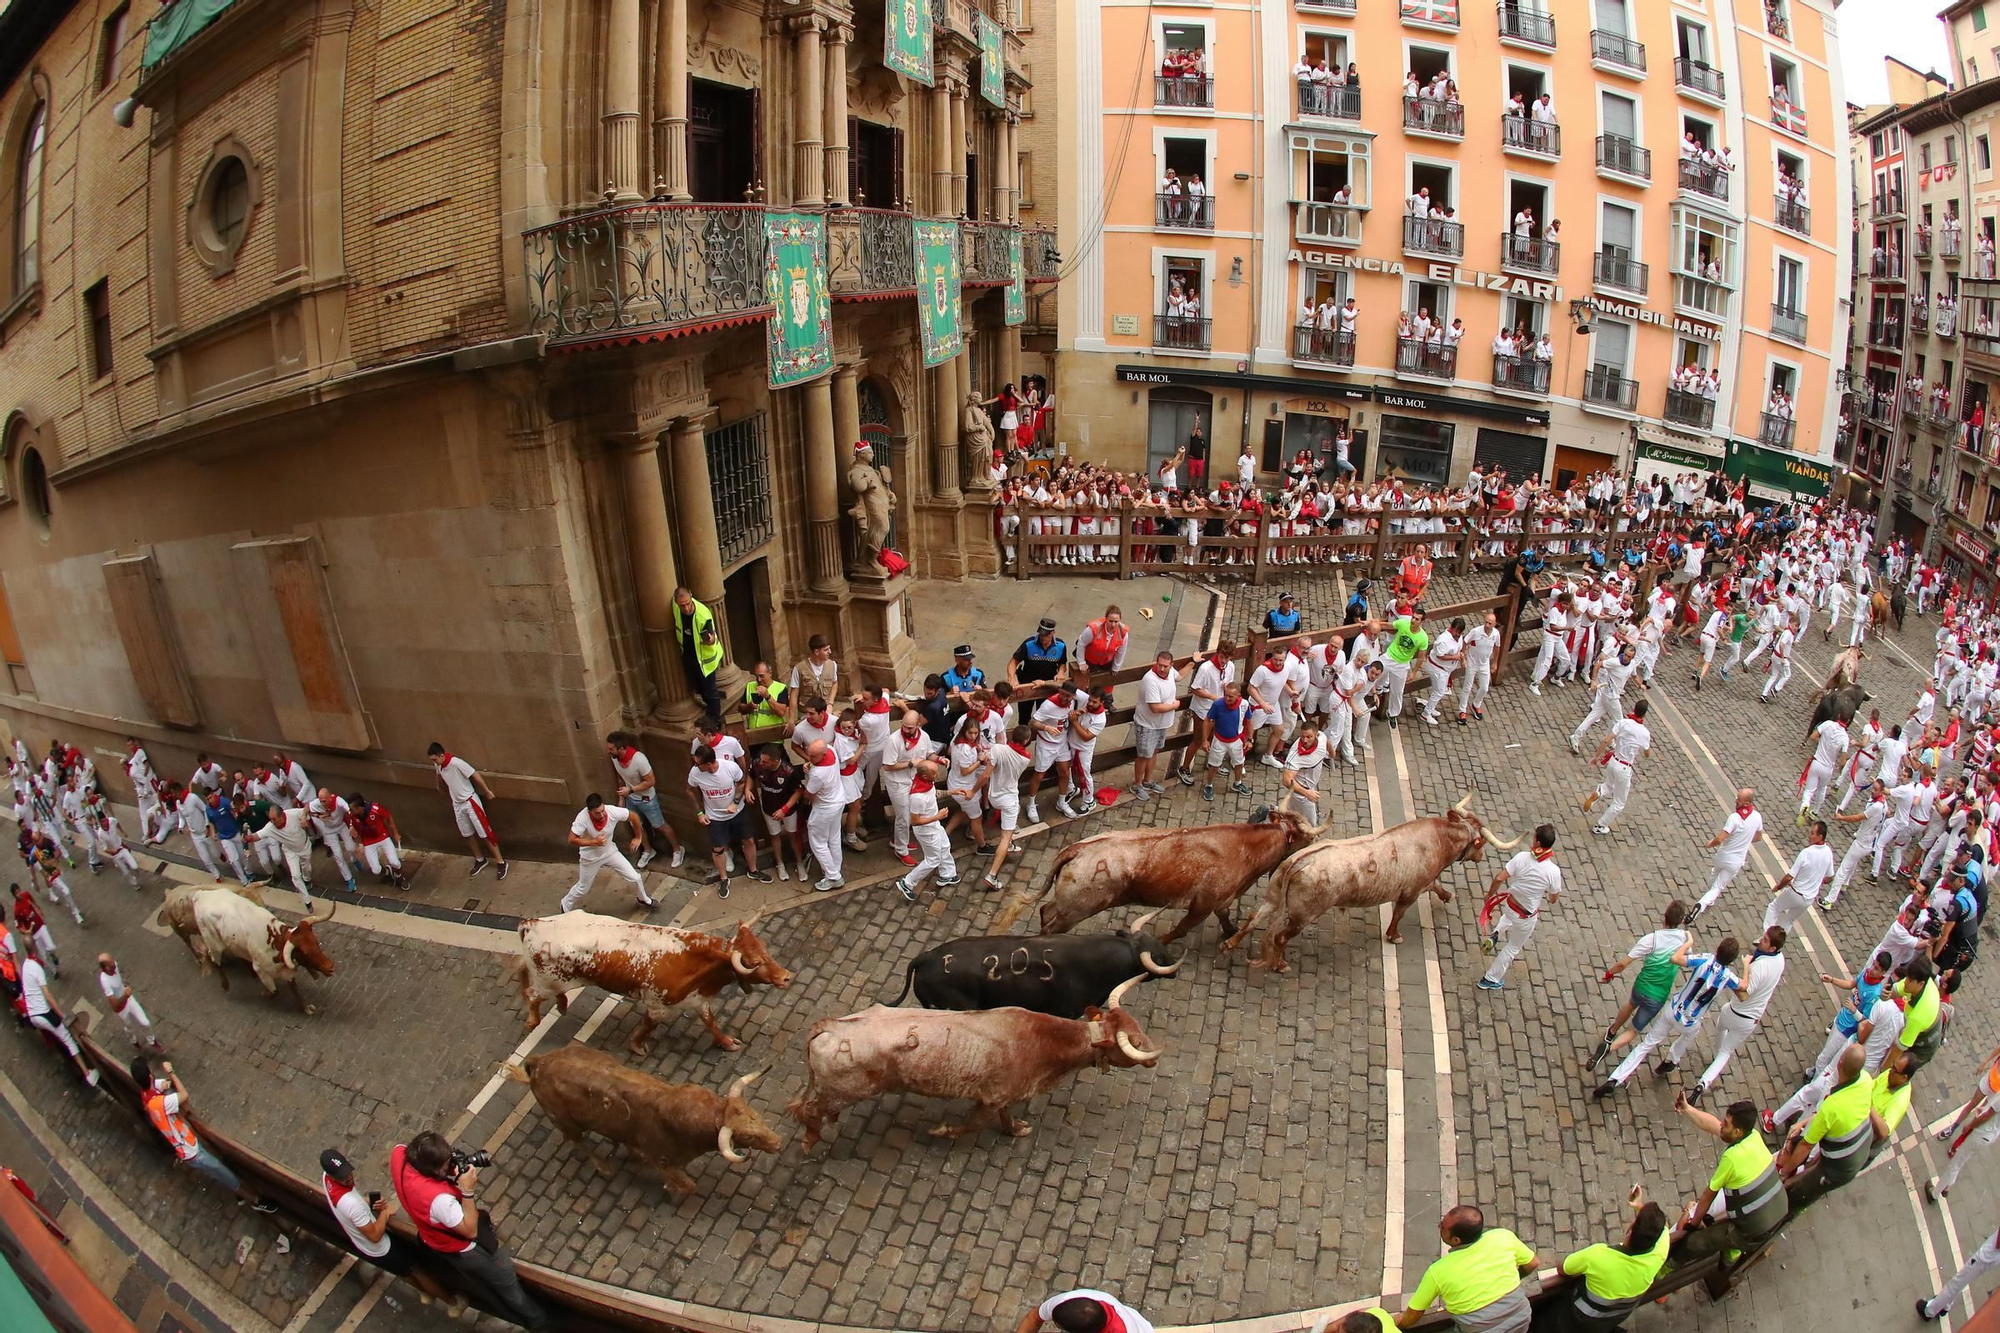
x: 1407, y: 642
x: 1614, y: 1278
x: 1660, y: 955
x: 1478, y: 1278
x: 1739, y: 630
x: 1745, y: 1199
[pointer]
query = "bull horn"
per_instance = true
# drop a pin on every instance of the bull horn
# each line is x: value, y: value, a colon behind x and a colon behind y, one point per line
x: 1146, y: 961
x: 1132, y: 1053
x: 1315, y: 831
x: 1140, y: 924
x: 736, y: 1088
x: 1119, y: 992
x: 1506, y: 845
x: 1460, y: 807
x: 725, y: 1144
x: 314, y: 918
x: 743, y: 969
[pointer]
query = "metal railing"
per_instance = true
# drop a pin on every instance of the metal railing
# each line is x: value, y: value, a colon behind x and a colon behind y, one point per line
x: 1885, y: 333
x: 1702, y: 178
x: 1182, y: 331
x: 1336, y: 101
x: 1889, y: 267
x: 1529, y: 252
x: 1617, y: 153
x: 870, y: 252
x: 1329, y: 6
x: 1183, y: 90
x: 1327, y: 347
x: 1696, y: 77
x: 1525, y: 25
x: 1774, y: 430
x: 1792, y: 215
x: 1039, y: 255
x: 1428, y: 236
x: 1521, y: 374
x: 1328, y: 222
x: 1950, y: 243
x: 1788, y: 323
x: 1426, y: 359
x: 1195, y: 212
x: 1621, y: 271
x: 1880, y: 408
x: 1526, y: 135
x: 644, y: 266
x: 1920, y: 245
x: 983, y: 251
x: 1615, y: 48
x: 1888, y: 203
x: 739, y: 481
x: 1606, y: 387
x: 1427, y: 115
x: 1687, y: 408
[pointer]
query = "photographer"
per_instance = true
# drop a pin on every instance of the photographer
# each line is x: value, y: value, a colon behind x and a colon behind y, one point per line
x: 366, y: 1222
x: 432, y: 1182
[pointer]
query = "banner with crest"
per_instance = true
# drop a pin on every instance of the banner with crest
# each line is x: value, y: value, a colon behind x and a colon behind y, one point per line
x: 937, y: 288
x: 992, y: 65
x: 906, y: 38
x: 1017, y: 280
x: 800, y: 331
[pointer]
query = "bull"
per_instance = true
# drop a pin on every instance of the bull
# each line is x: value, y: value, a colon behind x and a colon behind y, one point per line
x: 1838, y: 705
x: 658, y: 966
x: 231, y: 924
x: 1397, y: 866
x: 177, y: 914
x: 995, y: 1057
x: 1200, y: 871
x: 1062, y: 975
x: 665, y: 1125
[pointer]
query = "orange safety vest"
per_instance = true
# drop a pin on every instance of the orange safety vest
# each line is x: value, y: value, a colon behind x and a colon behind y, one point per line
x: 1103, y: 651
x: 173, y: 1126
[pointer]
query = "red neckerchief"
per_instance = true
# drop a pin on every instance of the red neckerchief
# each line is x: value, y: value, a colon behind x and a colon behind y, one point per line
x: 910, y: 737
x: 625, y: 753
x: 598, y: 818
x: 1634, y: 717
x: 922, y: 784
x: 879, y: 706
x: 335, y: 1191
x: 825, y: 759
x: 1743, y: 811
x: 1542, y: 853
x: 444, y: 763
x: 1301, y: 748
x: 1021, y: 750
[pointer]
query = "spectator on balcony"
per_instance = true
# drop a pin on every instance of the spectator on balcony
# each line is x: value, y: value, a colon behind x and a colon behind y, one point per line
x: 1542, y: 118
x: 1453, y: 336
x: 1439, y: 227
x: 1711, y: 268
x: 1974, y: 425
x: 1420, y: 324
x: 1711, y: 384
x: 1420, y: 205
x: 1517, y: 107
x: 1506, y: 351
x: 1197, y: 201
x: 1551, y: 234
x: 1350, y: 321
x: 1524, y: 234
x: 1691, y: 149
x: 1878, y: 261
x: 1923, y: 234
x: 1405, y: 326
x: 1982, y: 262
x: 1172, y: 197
x: 1326, y: 323
x: 1545, y: 350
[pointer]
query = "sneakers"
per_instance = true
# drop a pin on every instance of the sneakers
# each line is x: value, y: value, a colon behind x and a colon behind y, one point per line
x: 1271, y: 761
x: 902, y: 886
x: 263, y: 1206
x: 1479, y: 714
x: 646, y: 858
x: 1931, y: 1192
x: 478, y: 864
x: 1395, y: 722
x: 722, y: 887
x: 1769, y: 1124
x: 1599, y: 828
x: 1597, y: 1056
x: 501, y: 873
x: 1461, y: 720
x: 854, y: 844
x: 1573, y: 747
x: 944, y: 883
x: 1186, y: 776
x: 1142, y: 793
x: 1034, y: 815
x: 1240, y: 788
x: 783, y: 873
x: 1924, y: 1310
x: 90, y: 1077
x: 1535, y: 688
x: 1694, y: 915
x: 650, y: 904
x: 1604, y: 1089
x: 906, y: 858
x: 1429, y: 720
x: 674, y: 861
x: 1062, y: 804
x: 1487, y: 983
x: 992, y: 885
x: 761, y: 876
x: 1208, y: 791
x: 1694, y: 1095
x: 1666, y: 1067
x: 827, y: 885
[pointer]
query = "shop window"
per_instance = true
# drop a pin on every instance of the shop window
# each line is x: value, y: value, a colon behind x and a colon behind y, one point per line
x: 1415, y: 449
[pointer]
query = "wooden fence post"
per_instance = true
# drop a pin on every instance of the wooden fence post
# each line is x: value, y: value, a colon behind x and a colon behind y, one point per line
x: 1021, y: 543
x: 1257, y: 556
x: 1381, y: 544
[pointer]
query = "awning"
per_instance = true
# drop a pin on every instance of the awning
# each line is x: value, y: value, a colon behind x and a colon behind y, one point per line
x: 1776, y: 474
x: 177, y: 25
x: 1674, y: 455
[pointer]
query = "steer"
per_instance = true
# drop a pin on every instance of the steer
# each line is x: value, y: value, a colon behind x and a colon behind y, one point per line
x: 1061, y: 975
x: 234, y: 925
x: 177, y: 913
x: 665, y: 1125
x: 1201, y: 871
x: 1837, y: 705
x: 995, y: 1057
x: 659, y: 966
x: 1395, y: 866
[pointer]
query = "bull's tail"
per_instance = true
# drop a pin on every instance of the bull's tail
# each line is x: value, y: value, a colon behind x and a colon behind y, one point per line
x: 1022, y: 900
x: 909, y: 980
x: 514, y: 1073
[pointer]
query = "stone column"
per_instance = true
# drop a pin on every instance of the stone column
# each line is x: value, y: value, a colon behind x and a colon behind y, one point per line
x: 847, y: 411
x: 808, y: 186
x: 670, y: 101
x: 822, y: 488
x: 941, y: 152
x: 1010, y: 150
x: 947, y: 401
x: 837, y: 37
x: 649, y: 537
x: 701, y: 546
x: 621, y: 102
x: 958, y: 110
x: 1000, y: 190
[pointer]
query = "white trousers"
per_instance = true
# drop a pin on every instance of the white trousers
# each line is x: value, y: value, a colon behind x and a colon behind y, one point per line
x: 1395, y: 675
x: 300, y: 866
x: 823, y: 837
x: 1726, y: 870
x: 1781, y: 675
x: 1896, y: 835
x: 1440, y: 687
x: 1802, y: 1104
x: 1857, y: 852
x: 587, y: 872
x: 380, y: 854
x: 899, y: 807
x: 1646, y: 658
x: 1731, y: 1031
x: 1984, y: 1137
x: 138, y: 1027
x: 341, y: 843
x: 1662, y: 1030
x: 1473, y: 682
x: 1735, y: 656
x: 204, y: 849
x: 935, y: 844
x: 1553, y: 655
x: 1786, y: 908
x: 1604, y: 708
x: 1983, y: 1260
x: 125, y: 861
x: 60, y: 1031
x: 1819, y: 776
x: 233, y: 853
x: 1340, y: 726
x: 1854, y: 777
x: 269, y: 855
x: 1759, y: 648
x: 1612, y: 793
x: 1515, y: 931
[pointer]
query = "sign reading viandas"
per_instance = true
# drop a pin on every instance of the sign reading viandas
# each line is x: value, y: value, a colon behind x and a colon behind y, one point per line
x: 800, y: 331
x: 1774, y: 474
x: 906, y: 38
x: 938, y: 288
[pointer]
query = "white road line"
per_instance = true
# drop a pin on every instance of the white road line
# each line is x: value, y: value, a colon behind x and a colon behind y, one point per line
x: 319, y: 1294
x: 1440, y: 1025
x: 366, y: 1305
x: 521, y: 1052
x: 1395, y: 1210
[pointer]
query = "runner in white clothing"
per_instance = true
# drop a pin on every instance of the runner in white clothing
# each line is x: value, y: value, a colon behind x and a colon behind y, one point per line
x: 1869, y: 823
x: 111, y: 842
x: 1631, y: 741
x: 1732, y: 848
x: 1742, y: 1011
x: 1476, y: 674
x: 1831, y: 742
x: 1793, y: 895
x: 1529, y: 882
x: 1445, y: 655
x: 1610, y: 675
x: 1305, y: 759
x: 593, y: 833
x: 138, y: 1027
x: 1859, y: 770
x: 469, y: 798
x: 1005, y: 764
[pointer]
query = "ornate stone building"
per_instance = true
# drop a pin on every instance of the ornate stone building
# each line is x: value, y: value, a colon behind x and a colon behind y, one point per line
x: 374, y: 373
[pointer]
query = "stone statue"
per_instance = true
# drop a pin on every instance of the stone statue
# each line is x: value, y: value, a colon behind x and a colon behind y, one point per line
x: 874, y: 502
x: 976, y: 433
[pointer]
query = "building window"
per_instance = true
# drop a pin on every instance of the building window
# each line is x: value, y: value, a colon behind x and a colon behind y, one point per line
x: 1024, y: 178
x: 1979, y: 19
x: 110, y: 42
x: 739, y: 481
x: 1951, y: 150
x: 1923, y: 157
x: 35, y: 488
x: 1330, y: 185
x: 225, y: 200
x: 97, y: 305
x: 1985, y: 148
x: 28, y: 201
x: 228, y: 203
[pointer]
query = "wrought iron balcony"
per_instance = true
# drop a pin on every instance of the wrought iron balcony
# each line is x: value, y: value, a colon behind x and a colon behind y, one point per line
x: 1326, y: 347
x: 1428, y: 236
x: 1525, y: 27
x: 1950, y: 243
x: 1888, y: 268
x: 1617, y: 50
x: 1521, y: 375
x: 1183, y: 90
x: 1529, y: 254
x: 1888, y: 203
x: 1702, y: 80
x: 1180, y: 332
x: 1607, y: 388
x: 1687, y: 408
x: 984, y: 252
x: 1880, y: 408
x: 1698, y: 177
x: 870, y: 252
x: 1792, y: 215
x: 1339, y: 224
x: 1788, y: 323
x: 1885, y: 333
x: 1039, y: 255
x: 1521, y: 134
x: 1618, y: 154
x: 1426, y: 360
x: 1440, y: 120
x: 1920, y: 245
x: 1774, y: 430
x: 1194, y: 212
x: 1611, y: 269
x: 644, y: 267
x: 1334, y: 101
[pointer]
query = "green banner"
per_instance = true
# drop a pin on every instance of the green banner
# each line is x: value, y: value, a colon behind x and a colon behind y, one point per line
x: 801, y: 325
x: 906, y: 38
x: 937, y: 288
x: 1017, y: 280
x: 1682, y: 458
x: 992, y: 65
x: 1776, y: 474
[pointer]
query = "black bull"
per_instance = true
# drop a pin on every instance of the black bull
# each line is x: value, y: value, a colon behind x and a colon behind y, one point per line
x: 1839, y: 705
x: 1059, y: 975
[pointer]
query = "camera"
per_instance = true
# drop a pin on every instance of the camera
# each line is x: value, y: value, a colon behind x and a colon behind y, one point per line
x: 462, y: 1161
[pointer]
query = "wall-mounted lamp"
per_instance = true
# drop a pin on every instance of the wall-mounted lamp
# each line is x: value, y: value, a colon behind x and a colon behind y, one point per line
x: 1579, y: 315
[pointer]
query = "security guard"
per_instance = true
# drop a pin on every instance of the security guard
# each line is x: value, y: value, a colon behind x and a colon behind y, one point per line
x: 1841, y: 1129
x: 1407, y: 641
x: 1923, y: 1028
x: 1746, y: 1182
x: 700, y: 643
x: 1041, y: 657
x: 1283, y: 618
x: 764, y: 700
x: 1614, y: 1279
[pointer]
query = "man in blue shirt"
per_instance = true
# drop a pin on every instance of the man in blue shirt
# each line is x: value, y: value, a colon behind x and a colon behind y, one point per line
x: 963, y: 678
x: 1284, y: 618
x: 228, y: 831
x: 1850, y: 1024
x: 1708, y: 976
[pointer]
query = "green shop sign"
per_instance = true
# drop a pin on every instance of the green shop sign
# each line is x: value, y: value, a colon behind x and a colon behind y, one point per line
x: 1776, y: 474
x: 1681, y: 458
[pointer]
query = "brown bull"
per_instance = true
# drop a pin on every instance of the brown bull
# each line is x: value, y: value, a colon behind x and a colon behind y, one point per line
x: 665, y: 1125
x: 1201, y: 871
x: 1396, y: 866
x: 993, y: 1057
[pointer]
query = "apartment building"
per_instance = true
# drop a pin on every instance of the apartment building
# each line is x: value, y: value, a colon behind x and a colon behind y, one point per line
x: 1690, y: 152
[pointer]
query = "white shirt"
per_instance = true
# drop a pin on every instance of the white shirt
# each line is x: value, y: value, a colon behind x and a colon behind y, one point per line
x: 194, y: 815
x: 1760, y: 982
x: 1888, y: 1026
x: 632, y: 774
x: 1810, y: 869
x: 457, y: 777
x: 1738, y: 833
x: 1211, y: 678
x: 1890, y: 766
x: 1003, y: 778
x: 827, y: 787
x: 289, y: 828
x: 718, y: 789
x: 725, y: 747
x: 584, y: 827
x: 34, y: 985
x: 1306, y: 765
x: 353, y: 1214
x: 207, y: 778
x: 1872, y: 816
x: 112, y: 983
x: 1613, y: 676
x: 1269, y: 685
x: 1629, y: 739
x: 1134, y: 1321
x: 1155, y: 689
x: 906, y: 753
x: 1480, y: 642
x: 1528, y: 879
x: 1832, y: 742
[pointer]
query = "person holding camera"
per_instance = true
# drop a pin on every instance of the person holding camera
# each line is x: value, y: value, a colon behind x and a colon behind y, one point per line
x: 432, y: 1182
x: 365, y: 1220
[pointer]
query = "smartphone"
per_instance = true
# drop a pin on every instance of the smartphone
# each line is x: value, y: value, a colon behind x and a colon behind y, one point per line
x: 374, y: 1199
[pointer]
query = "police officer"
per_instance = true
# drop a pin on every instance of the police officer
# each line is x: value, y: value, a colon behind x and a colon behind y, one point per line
x: 1041, y: 657
x: 964, y: 677
x: 1284, y: 618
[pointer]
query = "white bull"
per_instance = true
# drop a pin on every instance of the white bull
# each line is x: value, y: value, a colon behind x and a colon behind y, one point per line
x: 230, y: 925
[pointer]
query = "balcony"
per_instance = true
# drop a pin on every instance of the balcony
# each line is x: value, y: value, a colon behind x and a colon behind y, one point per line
x: 1605, y: 387
x: 1521, y: 375
x: 1180, y: 333
x: 1529, y: 254
x: 1792, y: 215
x: 1704, y: 298
x: 1880, y: 408
x: 1703, y: 81
x: 1428, y: 236
x: 1322, y: 347
x: 1617, y: 52
x: 1774, y: 431
x: 1424, y: 360
x: 1621, y: 157
x: 1328, y: 6
x: 1530, y: 138
x: 1985, y: 345
x: 1686, y: 408
x: 1698, y: 177
x: 1611, y: 269
x: 1920, y: 246
x: 870, y: 252
x: 1887, y: 204
x: 1039, y: 255
x: 1185, y: 212
x: 1788, y: 115
x: 1887, y: 268
x: 1433, y: 119
x: 1950, y: 242
x: 1171, y: 91
x: 1335, y: 224
x: 1524, y: 27
x: 1332, y: 101
x: 1788, y: 323
x: 984, y: 252
x: 645, y: 267
x: 1439, y: 14
x: 1885, y: 333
